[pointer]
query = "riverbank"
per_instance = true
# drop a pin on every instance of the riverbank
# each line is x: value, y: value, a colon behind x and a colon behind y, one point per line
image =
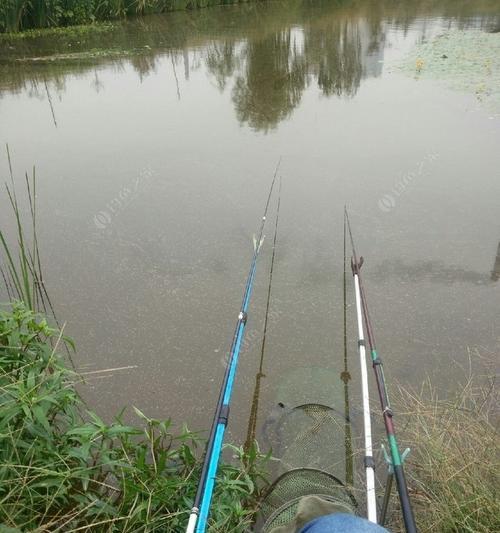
x: 63, y: 466
x: 21, y: 16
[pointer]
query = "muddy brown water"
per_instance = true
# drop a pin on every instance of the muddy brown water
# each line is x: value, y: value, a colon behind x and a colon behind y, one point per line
x: 154, y: 145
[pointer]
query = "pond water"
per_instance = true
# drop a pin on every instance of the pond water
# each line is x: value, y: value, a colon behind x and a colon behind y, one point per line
x: 155, y: 143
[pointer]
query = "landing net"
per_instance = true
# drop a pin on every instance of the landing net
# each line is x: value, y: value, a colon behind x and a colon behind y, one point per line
x: 308, y: 445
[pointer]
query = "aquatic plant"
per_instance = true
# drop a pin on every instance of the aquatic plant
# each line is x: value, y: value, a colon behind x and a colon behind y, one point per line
x: 464, y: 60
x: 21, y: 269
x: 76, y: 31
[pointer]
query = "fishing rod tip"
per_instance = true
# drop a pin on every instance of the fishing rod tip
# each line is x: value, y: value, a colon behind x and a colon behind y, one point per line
x: 356, y: 265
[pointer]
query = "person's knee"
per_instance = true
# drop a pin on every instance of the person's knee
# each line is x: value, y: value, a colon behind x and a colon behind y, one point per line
x: 341, y: 523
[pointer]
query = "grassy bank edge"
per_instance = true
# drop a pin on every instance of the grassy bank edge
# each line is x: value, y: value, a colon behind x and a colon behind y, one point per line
x: 30, y: 18
x: 454, y: 465
x: 61, y: 465
x: 78, y: 30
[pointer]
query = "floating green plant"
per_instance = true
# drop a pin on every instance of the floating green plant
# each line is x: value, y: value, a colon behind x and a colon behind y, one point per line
x: 466, y: 60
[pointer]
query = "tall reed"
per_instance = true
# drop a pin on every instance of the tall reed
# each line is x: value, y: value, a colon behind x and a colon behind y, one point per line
x: 20, y: 268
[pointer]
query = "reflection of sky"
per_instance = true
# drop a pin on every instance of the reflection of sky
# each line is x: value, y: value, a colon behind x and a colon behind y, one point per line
x: 160, y: 286
x: 297, y: 38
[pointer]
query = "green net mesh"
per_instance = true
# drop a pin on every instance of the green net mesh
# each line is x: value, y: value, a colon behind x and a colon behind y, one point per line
x: 309, y: 434
x: 308, y: 445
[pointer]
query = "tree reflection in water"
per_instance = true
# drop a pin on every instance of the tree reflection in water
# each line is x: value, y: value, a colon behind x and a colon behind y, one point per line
x: 265, y: 54
x: 272, y: 81
x: 271, y: 73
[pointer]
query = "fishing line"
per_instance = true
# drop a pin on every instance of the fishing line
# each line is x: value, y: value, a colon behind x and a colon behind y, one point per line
x: 345, y: 376
x: 252, y: 421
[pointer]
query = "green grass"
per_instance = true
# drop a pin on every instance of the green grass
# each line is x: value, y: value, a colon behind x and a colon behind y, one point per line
x: 454, y: 467
x: 21, y: 269
x: 66, y: 31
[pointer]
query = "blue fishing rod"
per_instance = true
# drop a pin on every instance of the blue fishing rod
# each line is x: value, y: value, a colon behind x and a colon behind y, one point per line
x: 201, y: 506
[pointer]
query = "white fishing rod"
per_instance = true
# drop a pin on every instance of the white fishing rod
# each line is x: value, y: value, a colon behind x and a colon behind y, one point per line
x: 396, y: 459
x: 369, y: 463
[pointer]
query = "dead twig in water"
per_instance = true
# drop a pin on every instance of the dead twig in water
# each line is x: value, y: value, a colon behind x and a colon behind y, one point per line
x: 108, y: 370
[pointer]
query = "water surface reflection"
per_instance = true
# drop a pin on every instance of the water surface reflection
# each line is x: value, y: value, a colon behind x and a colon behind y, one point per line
x: 266, y: 55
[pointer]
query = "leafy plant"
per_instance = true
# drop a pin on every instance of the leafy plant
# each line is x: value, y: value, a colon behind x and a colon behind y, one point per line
x: 63, y: 467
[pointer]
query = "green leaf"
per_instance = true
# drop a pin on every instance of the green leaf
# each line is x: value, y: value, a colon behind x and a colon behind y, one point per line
x: 117, y: 429
x: 140, y: 414
x: 40, y: 417
x: 86, y: 430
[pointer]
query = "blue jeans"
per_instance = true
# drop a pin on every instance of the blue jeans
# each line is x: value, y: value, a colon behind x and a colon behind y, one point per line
x: 342, y: 523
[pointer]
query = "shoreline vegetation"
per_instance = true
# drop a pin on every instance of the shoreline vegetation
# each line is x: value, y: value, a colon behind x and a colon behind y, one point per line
x: 453, y: 469
x: 21, y: 15
x: 63, y: 467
